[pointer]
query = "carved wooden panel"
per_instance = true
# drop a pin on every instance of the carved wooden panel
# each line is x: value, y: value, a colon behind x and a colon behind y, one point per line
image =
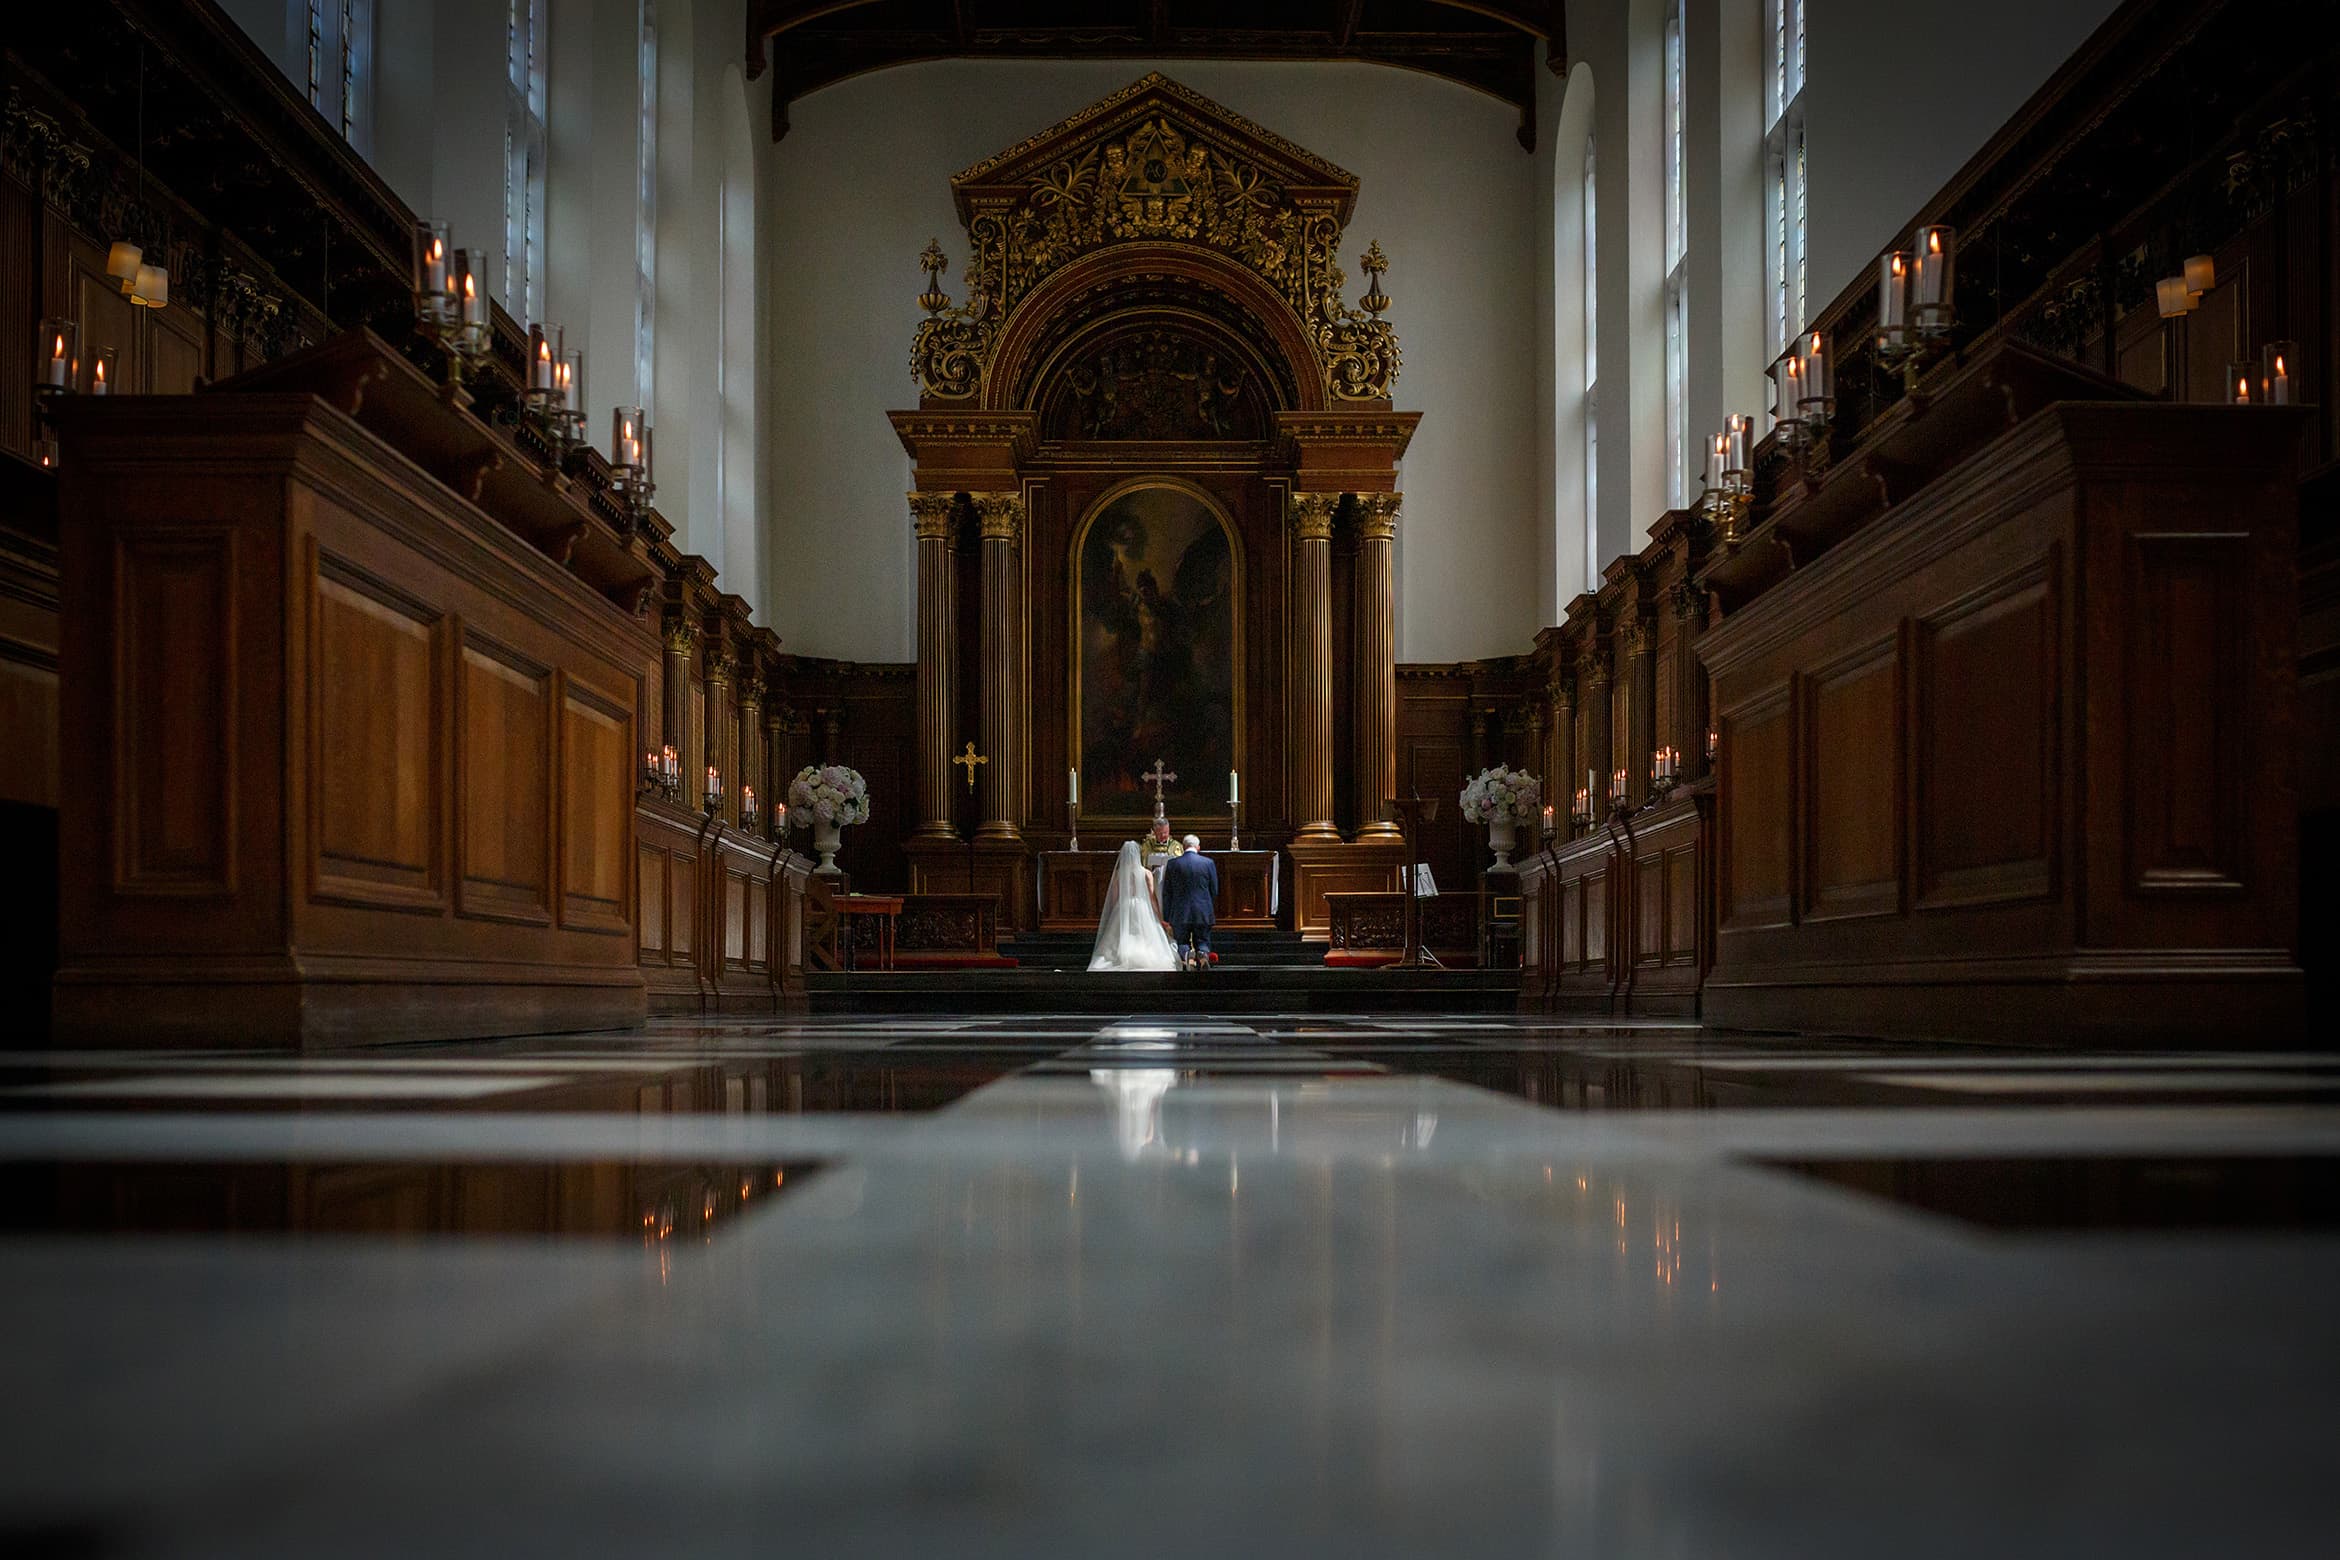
x: 28, y: 717
x: 504, y: 802
x: 758, y: 952
x: 1757, y: 788
x: 175, y: 756
x: 735, y: 917
x: 1649, y: 910
x: 1682, y: 905
x: 682, y: 889
x: 376, y: 790
x: 2187, y: 681
x: 1986, y: 743
x: 597, y: 804
x: 1852, y: 784
x: 1593, y: 916
x: 650, y: 896
x: 175, y: 351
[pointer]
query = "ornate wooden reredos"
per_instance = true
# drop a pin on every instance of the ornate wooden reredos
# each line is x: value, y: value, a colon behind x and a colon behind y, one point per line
x: 1154, y: 293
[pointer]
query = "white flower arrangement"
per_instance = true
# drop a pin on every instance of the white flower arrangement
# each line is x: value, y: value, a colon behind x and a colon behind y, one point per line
x: 1502, y: 795
x: 827, y: 793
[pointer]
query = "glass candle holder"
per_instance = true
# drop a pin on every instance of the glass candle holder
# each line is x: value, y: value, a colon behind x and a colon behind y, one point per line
x: 1818, y: 378
x: 1737, y: 436
x: 628, y: 441
x: 469, y: 279
x: 104, y: 370
x: 2279, y: 373
x: 544, y: 358
x: 1933, y: 280
x: 56, y: 356
x: 434, y: 298
x: 2239, y: 389
x: 1892, y: 298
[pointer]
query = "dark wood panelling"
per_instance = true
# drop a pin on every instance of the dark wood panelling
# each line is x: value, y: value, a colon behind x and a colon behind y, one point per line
x: 1851, y: 761
x: 377, y: 770
x: 504, y: 853
x: 2189, y: 710
x: 1757, y: 791
x: 1988, y: 743
x: 175, y: 663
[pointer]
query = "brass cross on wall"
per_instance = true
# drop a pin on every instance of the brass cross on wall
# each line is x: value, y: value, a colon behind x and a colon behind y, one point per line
x: 971, y: 758
x: 1160, y: 773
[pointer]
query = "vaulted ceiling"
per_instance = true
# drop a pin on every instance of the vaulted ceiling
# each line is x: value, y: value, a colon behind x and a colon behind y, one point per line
x: 1489, y: 46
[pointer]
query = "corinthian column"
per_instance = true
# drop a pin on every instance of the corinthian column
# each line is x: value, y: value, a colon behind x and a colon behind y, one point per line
x: 1375, y: 711
x: 1000, y: 517
x: 1312, y: 677
x: 718, y: 712
x: 938, y: 634
x: 681, y: 636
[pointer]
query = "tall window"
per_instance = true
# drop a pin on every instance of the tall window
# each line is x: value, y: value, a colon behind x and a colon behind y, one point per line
x: 646, y: 207
x: 1592, y: 379
x: 524, y: 155
x: 1785, y: 193
x: 340, y: 36
x: 1677, y: 269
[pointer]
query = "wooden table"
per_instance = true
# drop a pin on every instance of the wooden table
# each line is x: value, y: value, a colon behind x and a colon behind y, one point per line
x: 885, y: 909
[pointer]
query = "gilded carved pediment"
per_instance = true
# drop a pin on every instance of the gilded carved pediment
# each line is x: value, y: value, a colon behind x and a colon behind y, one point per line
x: 1157, y: 163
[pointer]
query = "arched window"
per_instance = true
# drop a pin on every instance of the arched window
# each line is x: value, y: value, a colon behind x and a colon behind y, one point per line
x: 1592, y: 377
x: 524, y: 159
x: 1677, y: 220
x: 646, y: 204
x: 1785, y: 193
x: 340, y: 37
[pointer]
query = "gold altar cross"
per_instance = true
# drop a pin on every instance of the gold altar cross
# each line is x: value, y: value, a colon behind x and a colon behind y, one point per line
x: 1158, y: 774
x: 971, y: 758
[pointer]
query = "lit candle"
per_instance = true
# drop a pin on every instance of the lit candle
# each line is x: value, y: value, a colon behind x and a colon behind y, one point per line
x: 1234, y: 789
x: 1718, y: 457
x: 1818, y: 376
x: 1737, y: 430
x: 101, y: 371
x: 57, y: 361
x: 2277, y: 359
x: 1548, y: 827
x: 1931, y: 284
x: 543, y: 360
x: 2238, y: 384
x: 1713, y: 741
x: 1892, y: 296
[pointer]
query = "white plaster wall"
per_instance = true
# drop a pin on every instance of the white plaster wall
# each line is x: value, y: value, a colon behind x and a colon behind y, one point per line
x: 1899, y: 97
x: 863, y: 181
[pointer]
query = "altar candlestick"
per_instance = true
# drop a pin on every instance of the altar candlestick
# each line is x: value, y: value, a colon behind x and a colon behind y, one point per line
x: 1073, y: 783
x: 1234, y: 788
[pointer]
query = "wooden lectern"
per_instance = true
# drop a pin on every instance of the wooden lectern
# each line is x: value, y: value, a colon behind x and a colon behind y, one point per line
x: 1412, y: 812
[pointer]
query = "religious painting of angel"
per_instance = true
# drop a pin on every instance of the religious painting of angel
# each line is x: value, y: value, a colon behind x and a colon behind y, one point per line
x: 1157, y: 654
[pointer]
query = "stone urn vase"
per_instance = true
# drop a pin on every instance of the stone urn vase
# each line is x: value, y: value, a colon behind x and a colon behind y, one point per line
x: 1502, y: 836
x: 827, y: 838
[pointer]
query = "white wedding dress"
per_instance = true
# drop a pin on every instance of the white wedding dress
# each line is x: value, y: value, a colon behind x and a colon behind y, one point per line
x: 1129, y: 933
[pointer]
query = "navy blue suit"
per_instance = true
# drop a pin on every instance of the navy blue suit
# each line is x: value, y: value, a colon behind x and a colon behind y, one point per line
x: 1190, y: 887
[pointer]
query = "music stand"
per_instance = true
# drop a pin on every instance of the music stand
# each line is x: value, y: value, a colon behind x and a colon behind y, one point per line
x: 1413, y: 812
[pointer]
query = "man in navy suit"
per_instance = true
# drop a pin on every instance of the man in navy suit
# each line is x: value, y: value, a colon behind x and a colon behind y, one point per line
x: 1190, y: 887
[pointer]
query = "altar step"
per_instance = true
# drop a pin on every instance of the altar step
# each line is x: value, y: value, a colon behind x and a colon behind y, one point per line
x: 1227, y: 989
x: 1236, y: 950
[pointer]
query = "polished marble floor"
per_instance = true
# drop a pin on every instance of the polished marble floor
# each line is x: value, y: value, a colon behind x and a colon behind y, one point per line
x: 1329, y: 1285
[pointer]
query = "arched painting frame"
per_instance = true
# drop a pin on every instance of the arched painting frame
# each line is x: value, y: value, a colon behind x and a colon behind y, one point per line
x: 1157, y: 649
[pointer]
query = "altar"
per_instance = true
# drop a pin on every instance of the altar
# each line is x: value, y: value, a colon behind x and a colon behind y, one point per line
x: 1072, y: 888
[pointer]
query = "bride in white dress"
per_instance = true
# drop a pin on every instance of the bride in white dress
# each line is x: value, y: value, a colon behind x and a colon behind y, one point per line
x: 1129, y: 933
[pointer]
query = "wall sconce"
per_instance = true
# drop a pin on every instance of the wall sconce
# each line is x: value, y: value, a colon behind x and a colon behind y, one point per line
x: 1730, y: 485
x: 629, y: 460
x: 56, y: 368
x: 122, y: 264
x: 1804, y: 390
x: 553, y: 388
x: 2173, y: 298
x: 1917, y: 308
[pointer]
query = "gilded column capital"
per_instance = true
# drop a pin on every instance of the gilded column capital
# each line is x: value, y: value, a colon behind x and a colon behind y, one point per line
x: 751, y: 694
x: 1377, y: 515
x: 1596, y: 676
x: 1562, y: 693
x: 930, y: 516
x: 1000, y: 516
x: 681, y: 634
x: 1635, y: 636
x: 1312, y: 515
x: 719, y: 667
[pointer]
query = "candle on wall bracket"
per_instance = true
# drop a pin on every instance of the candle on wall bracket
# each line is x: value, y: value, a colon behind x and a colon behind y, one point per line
x: 1892, y: 302
x: 104, y: 370
x: 2239, y: 389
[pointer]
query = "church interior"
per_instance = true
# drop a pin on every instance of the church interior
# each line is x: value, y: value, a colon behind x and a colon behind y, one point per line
x: 989, y: 777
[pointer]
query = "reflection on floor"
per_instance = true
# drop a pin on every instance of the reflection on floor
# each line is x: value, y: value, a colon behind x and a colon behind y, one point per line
x: 1370, y: 1284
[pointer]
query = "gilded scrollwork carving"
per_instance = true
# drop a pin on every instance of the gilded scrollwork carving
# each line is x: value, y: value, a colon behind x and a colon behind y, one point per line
x: 1377, y: 515
x: 1160, y: 178
x: 999, y: 517
x: 930, y: 516
x: 1312, y: 515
